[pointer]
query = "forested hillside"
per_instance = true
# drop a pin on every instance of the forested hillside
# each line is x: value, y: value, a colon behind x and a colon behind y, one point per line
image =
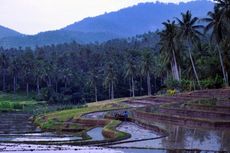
x: 182, y: 56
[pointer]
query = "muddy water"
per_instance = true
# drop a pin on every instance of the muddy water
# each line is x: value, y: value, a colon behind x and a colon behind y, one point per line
x: 37, y: 137
x: 18, y: 127
x: 96, y: 134
x: 21, y: 148
x: 180, y: 138
x: 137, y: 132
x: 16, y: 122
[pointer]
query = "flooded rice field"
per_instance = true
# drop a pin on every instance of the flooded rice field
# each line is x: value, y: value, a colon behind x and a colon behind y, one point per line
x: 96, y: 134
x: 37, y: 137
x: 178, y: 138
x: 20, y: 130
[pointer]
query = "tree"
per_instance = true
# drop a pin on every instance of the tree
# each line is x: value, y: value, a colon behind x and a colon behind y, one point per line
x: 168, y: 41
x: 14, y: 67
x: 216, y: 24
x: 4, y: 63
x: 110, y: 79
x: 131, y: 69
x: 189, y: 31
x: 28, y: 68
x: 147, y: 68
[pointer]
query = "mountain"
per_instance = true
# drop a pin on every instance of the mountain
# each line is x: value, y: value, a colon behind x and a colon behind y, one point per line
x: 140, y: 18
x: 6, y: 32
x: 124, y: 23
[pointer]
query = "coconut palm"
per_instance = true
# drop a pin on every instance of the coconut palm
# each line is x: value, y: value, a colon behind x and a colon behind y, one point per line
x: 224, y: 7
x: 216, y: 25
x: 110, y: 79
x: 131, y: 72
x: 168, y: 46
x: 147, y: 68
x: 189, y: 32
x: 4, y: 63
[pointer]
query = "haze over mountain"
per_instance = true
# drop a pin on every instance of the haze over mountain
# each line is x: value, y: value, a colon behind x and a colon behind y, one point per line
x: 121, y: 24
x: 6, y: 32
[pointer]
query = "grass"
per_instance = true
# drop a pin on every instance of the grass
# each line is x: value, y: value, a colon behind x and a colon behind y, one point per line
x: 75, y: 113
x: 111, y: 128
x: 12, y: 102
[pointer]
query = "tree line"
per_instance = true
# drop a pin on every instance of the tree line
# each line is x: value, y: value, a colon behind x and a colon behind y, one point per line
x: 189, y: 53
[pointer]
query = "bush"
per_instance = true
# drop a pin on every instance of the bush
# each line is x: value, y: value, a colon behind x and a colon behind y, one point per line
x: 217, y: 82
x: 6, y: 106
x: 171, y: 92
x: 171, y: 83
x: 17, y: 106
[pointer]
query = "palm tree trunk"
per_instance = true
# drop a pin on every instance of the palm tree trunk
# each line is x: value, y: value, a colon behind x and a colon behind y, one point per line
x: 14, y: 84
x: 95, y: 90
x: 27, y: 89
x: 112, y: 91
x: 56, y: 86
x: 222, y: 66
x: 133, y: 87
x: 4, y: 79
x: 193, y: 67
x: 109, y: 91
x: 175, y: 66
x: 38, y: 86
x: 149, y: 84
x: 130, y: 88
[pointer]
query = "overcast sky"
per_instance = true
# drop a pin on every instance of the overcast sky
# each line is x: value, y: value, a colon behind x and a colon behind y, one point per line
x: 33, y: 16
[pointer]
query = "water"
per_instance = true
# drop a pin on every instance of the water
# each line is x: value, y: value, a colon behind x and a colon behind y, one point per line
x: 20, y: 129
x: 137, y: 132
x: 96, y: 134
x: 36, y: 137
x: 96, y: 115
x: 179, y: 138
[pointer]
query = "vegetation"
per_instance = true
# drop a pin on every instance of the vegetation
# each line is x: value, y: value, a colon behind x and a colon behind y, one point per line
x: 47, y: 121
x: 11, y: 102
x: 185, y: 55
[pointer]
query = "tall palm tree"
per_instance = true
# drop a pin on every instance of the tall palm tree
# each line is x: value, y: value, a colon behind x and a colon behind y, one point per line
x: 224, y: 7
x: 110, y: 79
x: 147, y: 68
x: 216, y: 25
x: 93, y: 79
x: 130, y: 72
x: 168, y: 46
x: 4, y: 63
x: 189, y: 31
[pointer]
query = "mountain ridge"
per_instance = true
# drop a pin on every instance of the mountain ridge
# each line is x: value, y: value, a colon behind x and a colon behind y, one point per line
x: 124, y: 23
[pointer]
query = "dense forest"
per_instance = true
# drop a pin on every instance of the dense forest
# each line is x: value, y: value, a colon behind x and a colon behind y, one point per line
x: 185, y: 55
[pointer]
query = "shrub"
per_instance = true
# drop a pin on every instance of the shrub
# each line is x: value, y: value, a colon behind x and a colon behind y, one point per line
x: 6, y: 106
x: 171, y: 92
x: 171, y: 83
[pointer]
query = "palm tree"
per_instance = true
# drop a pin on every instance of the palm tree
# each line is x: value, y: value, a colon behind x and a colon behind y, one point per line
x: 28, y: 67
x: 110, y: 79
x: 130, y: 72
x: 224, y: 7
x: 93, y: 79
x: 147, y: 68
x: 189, y: 31
x: 4, y: 62
x: 168, y: 46
x: 14, y: 68
x: 215, y: 23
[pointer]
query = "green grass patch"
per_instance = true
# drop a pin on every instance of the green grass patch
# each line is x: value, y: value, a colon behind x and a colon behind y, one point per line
x: 12, y: 102
x: 75, y: 113
x: 111, y: 128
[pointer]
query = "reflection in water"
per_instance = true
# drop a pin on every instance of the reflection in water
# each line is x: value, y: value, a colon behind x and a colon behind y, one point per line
x: 186, y: 138
x: 36, y: 137
x: 96, y: 134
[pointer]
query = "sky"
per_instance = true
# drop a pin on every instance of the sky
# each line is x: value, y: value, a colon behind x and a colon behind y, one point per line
x: 34, y: 16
